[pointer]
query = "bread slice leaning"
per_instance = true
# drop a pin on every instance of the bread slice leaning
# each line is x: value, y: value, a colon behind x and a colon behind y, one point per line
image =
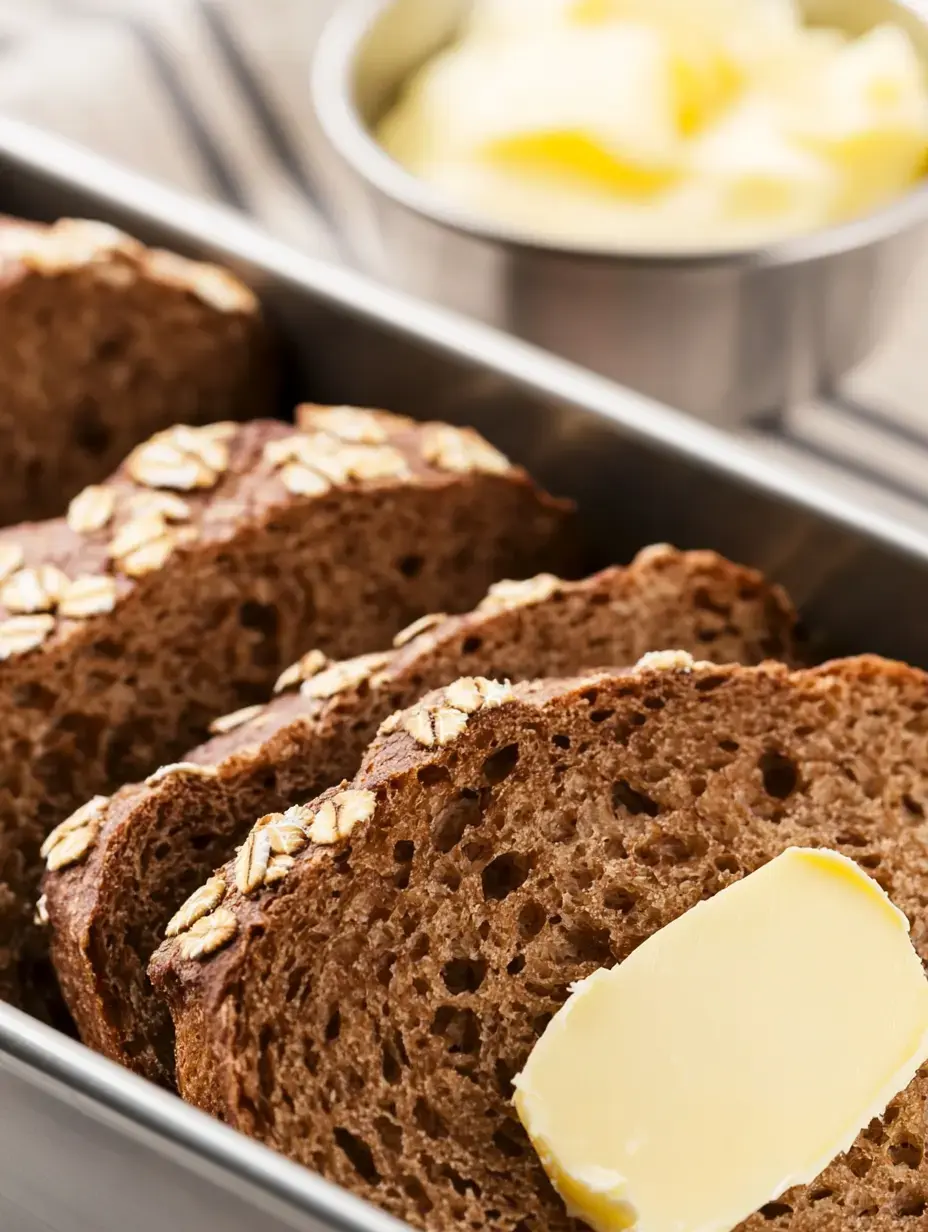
x: 214, y: 557
x: 102, y: 343
x: 158, y: 842
x: 366, y: 1011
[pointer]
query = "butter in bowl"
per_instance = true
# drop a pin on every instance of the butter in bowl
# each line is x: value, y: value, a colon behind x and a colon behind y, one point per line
x: 715, y: 202
x: 663, y: 124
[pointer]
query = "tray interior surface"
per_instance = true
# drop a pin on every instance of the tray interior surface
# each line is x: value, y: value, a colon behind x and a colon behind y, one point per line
x: 84, y: 1145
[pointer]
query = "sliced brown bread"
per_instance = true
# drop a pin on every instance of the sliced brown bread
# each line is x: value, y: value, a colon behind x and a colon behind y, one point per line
x: 366, y: 1013
x: 102, y: 343
x: 211, y: 560
x: 158, y: 842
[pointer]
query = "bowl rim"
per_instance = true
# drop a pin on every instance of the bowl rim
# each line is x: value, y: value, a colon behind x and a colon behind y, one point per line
x: 350, y: 138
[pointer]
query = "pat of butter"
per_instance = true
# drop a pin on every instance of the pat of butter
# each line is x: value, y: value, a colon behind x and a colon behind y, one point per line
x: 732, y: 1055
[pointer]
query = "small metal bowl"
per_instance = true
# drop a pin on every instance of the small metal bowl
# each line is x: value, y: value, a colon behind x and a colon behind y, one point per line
x: 728, y: 336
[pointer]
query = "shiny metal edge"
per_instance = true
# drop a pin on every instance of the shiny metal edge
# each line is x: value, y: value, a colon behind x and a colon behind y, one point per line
x: 170, y: 1123
x: 231, y: 237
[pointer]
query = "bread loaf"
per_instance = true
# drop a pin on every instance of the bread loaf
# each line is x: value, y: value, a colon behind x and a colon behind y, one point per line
x: 366, y: 1013
x: 214, y: 557
x: 102, y: 343
x: 157, y: 843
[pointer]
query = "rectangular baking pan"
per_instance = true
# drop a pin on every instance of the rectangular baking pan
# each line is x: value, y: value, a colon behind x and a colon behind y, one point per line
x: 87, y: 1147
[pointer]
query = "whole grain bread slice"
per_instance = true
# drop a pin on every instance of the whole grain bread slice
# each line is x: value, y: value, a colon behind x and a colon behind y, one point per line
x: 104, y: 342
x: 214, y: 557
x: 366, y: 1013
x: 158, y: 842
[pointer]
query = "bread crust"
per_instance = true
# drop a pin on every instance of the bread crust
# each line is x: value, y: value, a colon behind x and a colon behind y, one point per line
x: 366, y: 1013
x: 105, y: 923
x: 185, y: 583
x: 104, y: 342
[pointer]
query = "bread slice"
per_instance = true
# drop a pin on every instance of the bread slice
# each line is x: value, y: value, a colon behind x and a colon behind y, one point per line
x: 366, y: 1013
x: 215, y: 557
x: 157, y: 843
x: 104, y: 342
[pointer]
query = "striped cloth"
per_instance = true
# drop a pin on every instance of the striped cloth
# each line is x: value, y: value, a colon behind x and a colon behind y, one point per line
x: 213, y: 96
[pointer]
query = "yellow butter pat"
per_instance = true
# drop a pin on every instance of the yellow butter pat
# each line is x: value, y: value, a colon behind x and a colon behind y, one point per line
x: 733, y: 1055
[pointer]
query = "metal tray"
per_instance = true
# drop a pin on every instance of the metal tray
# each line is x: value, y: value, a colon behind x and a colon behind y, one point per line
x: 87, y: 1147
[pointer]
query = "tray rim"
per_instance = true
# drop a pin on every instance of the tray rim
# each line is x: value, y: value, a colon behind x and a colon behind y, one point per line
x: 231, y: 236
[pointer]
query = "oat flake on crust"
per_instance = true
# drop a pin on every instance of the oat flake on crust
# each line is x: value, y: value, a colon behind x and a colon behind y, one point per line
x: 337, y: 817
x: 200, y: 903
x: 209, y: 934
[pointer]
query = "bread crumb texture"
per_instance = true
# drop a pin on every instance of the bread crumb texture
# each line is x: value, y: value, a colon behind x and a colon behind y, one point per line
x: 368, y: 1016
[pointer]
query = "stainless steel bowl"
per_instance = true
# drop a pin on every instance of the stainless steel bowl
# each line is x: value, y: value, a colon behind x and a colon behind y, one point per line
x: 727, y: 336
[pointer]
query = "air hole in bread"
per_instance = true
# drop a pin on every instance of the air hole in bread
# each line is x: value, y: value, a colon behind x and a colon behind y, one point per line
x: 462, y: 975
x: 911, y: 1203
x: 420, y: 947
x: 333, y: 1027
x: 504, y: 875
x: 389, y: 1133
x: 858, y: 1162
x: 600, y: 716
x: 874, y: 1131
x: 460, y: 1027
x: 912, y: 806
x: 431, y: 776
x: 728, y: 863
x: 401, y: 879
x: 511, y: 1140
x: 449, y: 877
x: 780, y: 774
x: 708, y: 684
x: 414, y: 1189
x: 703, y: 599
x: 449, y: 825
x: 852, y: 838
x: 461, y: 1184
x: 471, y: 645
x: 358, y: 1153
x: 562, y: 741
x: 619, y: 898
x: 586, y: 944
x: 540, y: 1022
x: 820, y: 1193
x: 773, y: 1210
x: 906, y: 1153
x: 428, y: 1120
x: 872, y: 861
x: 262, y: 617
x: 403, y: 851
x: 385, y: 968
x: 516, y: 965
x: 89, y: 432
x: 393, y: 1057
x: 410, y: 566
x: 477, y: 851
x: 499, y: 765
x: 729, y: 746
x: 633, y: 801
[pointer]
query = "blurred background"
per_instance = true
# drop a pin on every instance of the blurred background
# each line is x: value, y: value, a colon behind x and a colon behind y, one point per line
x: 213, y: 96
